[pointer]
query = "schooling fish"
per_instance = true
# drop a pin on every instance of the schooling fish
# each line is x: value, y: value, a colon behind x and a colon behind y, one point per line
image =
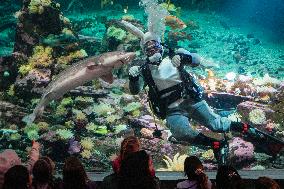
x: 78, y: 74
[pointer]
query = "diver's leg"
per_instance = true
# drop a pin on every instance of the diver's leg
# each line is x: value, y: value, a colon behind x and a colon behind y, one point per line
x: 182, y: 131
x: 203, y: 114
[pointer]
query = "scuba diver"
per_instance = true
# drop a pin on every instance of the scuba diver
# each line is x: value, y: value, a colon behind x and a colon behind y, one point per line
x: 175, y: 95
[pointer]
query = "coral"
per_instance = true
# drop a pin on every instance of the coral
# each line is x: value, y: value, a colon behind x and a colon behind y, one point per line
x: 146, y: 133
x: 15, y: 136
x: 97, y: 129
x: 69, y: 124
x: 72, y: 56
x: 42, y: 57
x: 43, y: 126
x: 25, y: 68
x: 64, y: 134
x: 112, y: 118
x: 37, y: 6
x: 267, y: 81
x: 128, y: 17
x: 176, y: 164
x: 80, y: 116
x: 235, y: 117
x: 11, y: 90
x: 208, y: 155
x: 132, y: 107
x: 117, y: 33
x: 86, y: 154
x: 66, y: 101
x: 103, y: 109
x: 241, y: 151
x: 257, y: 116
x: 60, y: 111
x: 258, y: 167
x: 67, y: 32
x: 87, y: 143
x: 31, y: 127
x: 84, y: 100
x: 33, y: 135
x: 119, y: 128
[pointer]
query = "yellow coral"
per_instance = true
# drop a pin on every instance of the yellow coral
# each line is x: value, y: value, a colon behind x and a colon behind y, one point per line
x: 11, y: 91
x: 72, y: 56
x: 42, y: 57
x: 176, y: 164
x: 87, y: 143
x: 257, y: 116
x: 86, y: 154
x: 37, y: 6
x: 208, y: 155
x: 43, y: 126
x: 81, y: 116
x: 25, y: 68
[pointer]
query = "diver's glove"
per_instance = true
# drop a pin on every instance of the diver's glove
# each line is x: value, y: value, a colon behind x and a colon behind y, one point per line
x: 176, y: 61
x: 134, y: 71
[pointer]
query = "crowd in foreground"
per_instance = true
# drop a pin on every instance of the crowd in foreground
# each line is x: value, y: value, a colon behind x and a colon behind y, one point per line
x: 132, y: 169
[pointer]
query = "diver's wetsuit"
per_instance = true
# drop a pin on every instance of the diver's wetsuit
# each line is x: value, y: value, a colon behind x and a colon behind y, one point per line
x: 180, y: 106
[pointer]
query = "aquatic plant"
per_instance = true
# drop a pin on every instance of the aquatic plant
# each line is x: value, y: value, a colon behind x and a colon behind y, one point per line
x: 37, y: 6
x: 87, y: 143
x: 86, y: 154
x: 64, y: 134
x: 117, y: 33
x: 257, y: 116
x: 175, y: 164
x: 103, y: 109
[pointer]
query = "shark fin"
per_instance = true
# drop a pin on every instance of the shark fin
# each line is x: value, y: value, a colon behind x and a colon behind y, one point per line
x: 107, y: 78
x: 91, y: 65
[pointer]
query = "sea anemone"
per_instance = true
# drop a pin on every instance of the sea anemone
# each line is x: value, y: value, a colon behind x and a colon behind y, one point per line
x: 86, y: 154
x: 87, y: 143
x: 103, y: 109
x: 64, y: 134
x: 257, y: 116
x: 175, y: 164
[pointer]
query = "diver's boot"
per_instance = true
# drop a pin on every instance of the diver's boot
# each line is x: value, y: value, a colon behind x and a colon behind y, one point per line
x: 267, y: 142
x: 220, y: 147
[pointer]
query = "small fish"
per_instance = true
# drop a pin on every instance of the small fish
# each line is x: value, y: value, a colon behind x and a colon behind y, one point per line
x: 78, y: 74
x: 174, y: 22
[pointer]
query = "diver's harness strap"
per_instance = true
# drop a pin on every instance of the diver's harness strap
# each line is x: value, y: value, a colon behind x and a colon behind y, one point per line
x: 159, y: 101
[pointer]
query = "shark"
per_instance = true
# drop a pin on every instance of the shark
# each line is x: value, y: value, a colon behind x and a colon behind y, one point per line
x: 94, y: 67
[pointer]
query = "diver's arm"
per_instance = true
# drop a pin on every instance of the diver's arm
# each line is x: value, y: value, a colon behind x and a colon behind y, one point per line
x: 187, y: 58
x: 135, y: 85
